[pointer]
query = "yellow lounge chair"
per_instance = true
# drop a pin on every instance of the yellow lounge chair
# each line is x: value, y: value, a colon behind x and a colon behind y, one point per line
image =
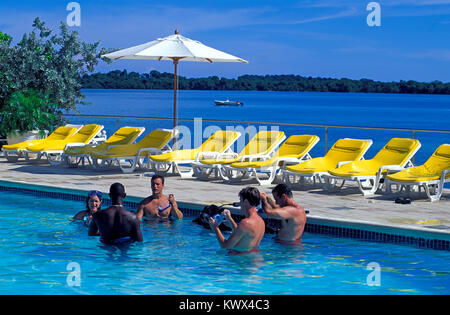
x: 261, y: 146
x: 393, y: 157
x: 73, y: 156
x: 218, y: 143
x: 156, y: 142
x: 293, y: 151
x: 14, y: 151
x: 343, y: 151
x: 434, y: 173
x: 53, y: 149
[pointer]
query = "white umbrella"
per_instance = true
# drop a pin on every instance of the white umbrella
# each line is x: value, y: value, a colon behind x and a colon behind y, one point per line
x: 174, y: 48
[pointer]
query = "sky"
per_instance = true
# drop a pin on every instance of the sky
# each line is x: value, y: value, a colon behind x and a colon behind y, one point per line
x: 321, y: 38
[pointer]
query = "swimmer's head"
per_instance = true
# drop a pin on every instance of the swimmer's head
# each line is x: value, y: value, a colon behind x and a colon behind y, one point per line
x: 117, y: 190
x: 281, y: 193
x: 157, y: 184
x: 94, y: 200
x: 250, y: 195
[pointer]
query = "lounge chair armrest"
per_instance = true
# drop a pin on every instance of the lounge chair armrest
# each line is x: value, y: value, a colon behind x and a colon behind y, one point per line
x: 343, y: 163
x: 149, y: 150
x: 444, y: 173
x: 252, y: 157
x: 226, y: 155
x: 74, y: 144
x: 111, y: 146
x: 390, y: 168
x: 206, y: 155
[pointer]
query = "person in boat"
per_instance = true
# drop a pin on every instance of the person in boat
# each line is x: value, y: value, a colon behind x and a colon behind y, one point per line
x: 284, y: 208
x: 158, y: 205
x: 246, y: 235
x: 93, y: 204
x: 116, y: 225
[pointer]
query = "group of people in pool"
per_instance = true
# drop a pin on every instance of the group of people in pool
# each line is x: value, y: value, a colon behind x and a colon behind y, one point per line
x: 117, y: 225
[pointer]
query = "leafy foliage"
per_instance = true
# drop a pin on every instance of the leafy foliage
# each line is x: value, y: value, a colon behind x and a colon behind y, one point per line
x: 156, y: 80
x: 50, y: 64
x: 31, y: 110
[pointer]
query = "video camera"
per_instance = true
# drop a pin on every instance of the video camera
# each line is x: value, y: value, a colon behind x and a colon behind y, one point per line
x: 216, y: 212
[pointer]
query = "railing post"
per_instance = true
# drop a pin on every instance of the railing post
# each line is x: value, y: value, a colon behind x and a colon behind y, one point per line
x: 117, y: 123
x: 326, y: 140
x: 414, y: 156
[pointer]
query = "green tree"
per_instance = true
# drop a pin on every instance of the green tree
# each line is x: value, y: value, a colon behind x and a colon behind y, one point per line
x: 50, y: 64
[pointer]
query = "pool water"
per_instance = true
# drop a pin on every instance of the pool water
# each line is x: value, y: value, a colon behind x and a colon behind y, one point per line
x: 39, y: 247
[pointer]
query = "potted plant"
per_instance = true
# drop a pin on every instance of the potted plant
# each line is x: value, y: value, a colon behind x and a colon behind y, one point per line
x: 26, y: 116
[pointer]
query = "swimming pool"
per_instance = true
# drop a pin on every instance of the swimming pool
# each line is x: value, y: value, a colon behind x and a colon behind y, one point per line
x: 40, y: 250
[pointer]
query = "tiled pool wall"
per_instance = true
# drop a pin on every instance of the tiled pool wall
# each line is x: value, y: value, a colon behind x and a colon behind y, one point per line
x: 193, y: 210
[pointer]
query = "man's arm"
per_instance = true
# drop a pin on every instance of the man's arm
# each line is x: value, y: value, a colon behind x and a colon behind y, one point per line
x: 234, y: 238
x: 272, y: 210
x: 230, y: 220
x: 174, y: 211
x: 136, y: 231
x: 140, y: 210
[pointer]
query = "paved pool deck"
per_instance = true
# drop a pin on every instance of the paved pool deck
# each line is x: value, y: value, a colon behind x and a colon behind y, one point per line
x: 344, y: 208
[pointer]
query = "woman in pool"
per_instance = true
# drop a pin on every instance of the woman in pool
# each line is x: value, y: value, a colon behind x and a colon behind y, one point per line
x: 93, y: 204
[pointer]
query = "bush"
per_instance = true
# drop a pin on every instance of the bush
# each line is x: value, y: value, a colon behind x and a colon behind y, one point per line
x: 43, y: 66
x: 28, y: 111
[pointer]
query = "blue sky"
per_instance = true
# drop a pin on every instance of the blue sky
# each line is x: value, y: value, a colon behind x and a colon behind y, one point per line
x: 326, y: 38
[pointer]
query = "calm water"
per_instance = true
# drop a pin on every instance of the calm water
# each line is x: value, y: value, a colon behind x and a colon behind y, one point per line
x: 343, y: 109
x: 38, y: 242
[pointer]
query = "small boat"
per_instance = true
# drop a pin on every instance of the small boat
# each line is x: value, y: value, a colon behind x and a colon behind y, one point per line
x: 228, y: 103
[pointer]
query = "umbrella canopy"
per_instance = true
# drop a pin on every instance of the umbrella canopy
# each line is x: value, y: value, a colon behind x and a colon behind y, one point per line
x: 174, y: 48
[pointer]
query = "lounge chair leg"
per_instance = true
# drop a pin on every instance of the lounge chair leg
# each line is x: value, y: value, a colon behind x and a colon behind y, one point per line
x: 12, y: 156
x: 128, y: 170
x: 265, y: 182
x: 54, y: 159
x: 367, y: 192
x: 29, y: 159
x: 183, y: 174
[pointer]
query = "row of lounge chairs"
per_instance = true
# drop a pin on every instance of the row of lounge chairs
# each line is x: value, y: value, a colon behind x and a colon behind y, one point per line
x: 267, y: 156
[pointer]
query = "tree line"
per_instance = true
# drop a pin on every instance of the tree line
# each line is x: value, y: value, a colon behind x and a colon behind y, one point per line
x: 155, y: 80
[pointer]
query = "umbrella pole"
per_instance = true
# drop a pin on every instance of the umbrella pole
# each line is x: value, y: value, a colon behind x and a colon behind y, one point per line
x: 175, y: 62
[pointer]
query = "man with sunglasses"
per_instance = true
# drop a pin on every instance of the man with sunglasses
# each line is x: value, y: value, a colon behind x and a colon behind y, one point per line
x: 116, y: 225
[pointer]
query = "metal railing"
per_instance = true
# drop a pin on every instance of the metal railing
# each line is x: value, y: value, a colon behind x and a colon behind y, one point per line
x: 268, y: 123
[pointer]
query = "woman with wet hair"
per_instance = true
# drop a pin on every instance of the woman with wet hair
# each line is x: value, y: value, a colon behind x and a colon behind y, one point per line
x: 93, y: 204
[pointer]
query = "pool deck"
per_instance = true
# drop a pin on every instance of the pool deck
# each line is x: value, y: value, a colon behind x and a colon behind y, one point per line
x: 344, y: 208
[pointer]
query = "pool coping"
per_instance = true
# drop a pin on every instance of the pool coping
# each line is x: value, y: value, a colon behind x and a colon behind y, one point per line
x: 359, y: 229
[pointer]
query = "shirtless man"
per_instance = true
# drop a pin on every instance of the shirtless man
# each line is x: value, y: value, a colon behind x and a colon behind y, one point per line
x: 158, y: 205
x: 116, y: 225
x: 292, y: 215
x: 246, y: 236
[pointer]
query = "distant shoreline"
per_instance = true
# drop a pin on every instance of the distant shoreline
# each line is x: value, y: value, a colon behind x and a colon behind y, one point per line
x: 288, y: 83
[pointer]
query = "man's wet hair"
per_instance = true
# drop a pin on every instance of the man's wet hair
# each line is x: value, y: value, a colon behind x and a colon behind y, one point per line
x: 156, y: 176
x: 281, y: 189
x: 251, y: 194
x: 117, y: 189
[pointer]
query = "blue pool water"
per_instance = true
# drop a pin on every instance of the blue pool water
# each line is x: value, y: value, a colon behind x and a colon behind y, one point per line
x: 342, y: 109
x: 38, y: 243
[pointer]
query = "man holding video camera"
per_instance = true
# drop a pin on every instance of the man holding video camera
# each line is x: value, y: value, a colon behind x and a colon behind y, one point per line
x: 246, y: 235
